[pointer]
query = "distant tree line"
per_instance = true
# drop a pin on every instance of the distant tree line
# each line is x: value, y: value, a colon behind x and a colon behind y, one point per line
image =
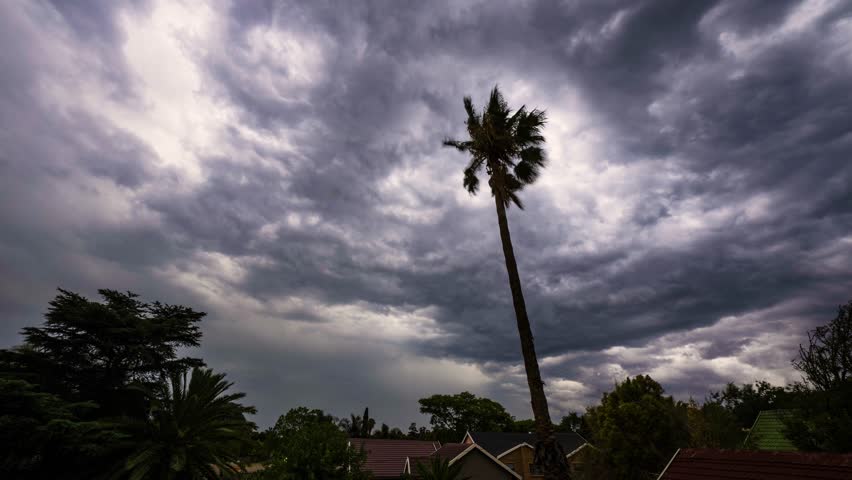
x: 636, y: 428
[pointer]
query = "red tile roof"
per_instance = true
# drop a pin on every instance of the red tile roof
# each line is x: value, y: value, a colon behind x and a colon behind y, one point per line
x: 702, y: 464
x: 451, y: 450
x: 386, y: 458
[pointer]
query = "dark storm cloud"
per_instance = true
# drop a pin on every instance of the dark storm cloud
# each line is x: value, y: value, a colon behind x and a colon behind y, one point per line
x: 734, y: 136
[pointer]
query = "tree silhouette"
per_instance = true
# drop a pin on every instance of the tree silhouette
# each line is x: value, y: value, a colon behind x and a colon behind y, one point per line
x: 827, y: 361
x: 358, y: 426
x: 367, y: 424
x: 824, y: 417
x: 508, y: 146
x: 103, y: 351
x: 195, y: 430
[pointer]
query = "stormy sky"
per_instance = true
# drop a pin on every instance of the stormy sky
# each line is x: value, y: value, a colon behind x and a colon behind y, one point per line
x: 279, y: 166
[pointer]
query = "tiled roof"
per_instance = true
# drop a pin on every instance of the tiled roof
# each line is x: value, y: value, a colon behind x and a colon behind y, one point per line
x: 497, y: 443
x: 703, y: 464
x: 414, y: 461
x: 767, y: 433
x: 451, y: 450
x: 386, y: 458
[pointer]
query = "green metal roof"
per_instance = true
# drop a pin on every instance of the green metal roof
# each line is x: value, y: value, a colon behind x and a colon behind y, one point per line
x: 767, y: 433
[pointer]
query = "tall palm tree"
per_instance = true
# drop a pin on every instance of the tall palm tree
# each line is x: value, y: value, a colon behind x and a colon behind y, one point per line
x: 437, y: 468
x: 193, y: 431
x: 509, y: 147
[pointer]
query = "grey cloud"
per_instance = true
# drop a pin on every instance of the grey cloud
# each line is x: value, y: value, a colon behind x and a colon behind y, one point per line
x: 387, y: 90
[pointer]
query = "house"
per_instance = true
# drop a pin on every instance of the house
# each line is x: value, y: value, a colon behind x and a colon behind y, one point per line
x: 700, y: 464
x: 516, y: 450
x: 476, y: 463
x: 387, y: 459
x: 767, y: 433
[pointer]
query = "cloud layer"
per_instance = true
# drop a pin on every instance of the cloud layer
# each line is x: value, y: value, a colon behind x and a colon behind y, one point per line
x: 280, y: 166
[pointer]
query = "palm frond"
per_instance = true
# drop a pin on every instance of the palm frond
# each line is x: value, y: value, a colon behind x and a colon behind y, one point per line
x: 497, y: 105
x: 470, y: 181
x: 511, y: 189
x: 469, y: 108
x: 194, y: 425
x: 474, y: 121
x: 462, y: 146
x: 515, y: 118
x: 529, y: 168
x: 506, y: 143
x: 528, y: 131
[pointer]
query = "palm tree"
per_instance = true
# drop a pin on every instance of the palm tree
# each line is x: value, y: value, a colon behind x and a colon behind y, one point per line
x: 438, y: 468
x: 360, y: 427
x: 509, y: 147
x: 193, y: 431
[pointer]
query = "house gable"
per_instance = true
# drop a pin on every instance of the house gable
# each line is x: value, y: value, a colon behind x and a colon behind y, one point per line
x: 476, y: 462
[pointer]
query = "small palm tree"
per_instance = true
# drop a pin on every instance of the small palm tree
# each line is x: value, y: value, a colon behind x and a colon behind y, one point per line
x: 439, y: 469
x: 509, y: 147
x: 193, y: 431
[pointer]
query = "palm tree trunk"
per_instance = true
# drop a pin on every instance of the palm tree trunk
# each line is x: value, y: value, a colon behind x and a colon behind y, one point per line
x: 548, y: 453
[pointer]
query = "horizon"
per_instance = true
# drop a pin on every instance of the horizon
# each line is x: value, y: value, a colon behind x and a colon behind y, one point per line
x: 280, y: 166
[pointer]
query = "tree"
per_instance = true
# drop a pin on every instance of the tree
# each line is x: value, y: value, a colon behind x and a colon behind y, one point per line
x: 306, y: 444
x: 421, y: 433
x: 508, y: 146
x: 745, y: 401
x: 827, y: 361
x: 358, y: 426
x: 637, y: 428
x: 87, y: 364
x: 101, y: 352
x: 194, y: 430
x: 574, y: 422
x: 523, y: 426
x: 386, y: 432
x: 711, y: 425
x: 823, y: 420
x: 42, y: 435
x: 454, y: 415
x: 437, y: 468
x: 367, y: 424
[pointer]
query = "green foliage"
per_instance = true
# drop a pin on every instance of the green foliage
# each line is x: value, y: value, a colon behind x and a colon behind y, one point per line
x: 306, y: 444
x: 507, y: 145
x: 42, y: 435
x: 101, y: 352
x: 827, y: 361
x: 711, y: 425
x: 747, y: 400
x: 388, y: 433
x: 84, y: 396
x: 194, y: 430
x: 637, y: 428
x: 358, y: 426
x: 522, y: 426
x: 574, y: 422
x: 421, y: 433
x: 823, y: 420
x: 454, y: 415
x: 437, y: 468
